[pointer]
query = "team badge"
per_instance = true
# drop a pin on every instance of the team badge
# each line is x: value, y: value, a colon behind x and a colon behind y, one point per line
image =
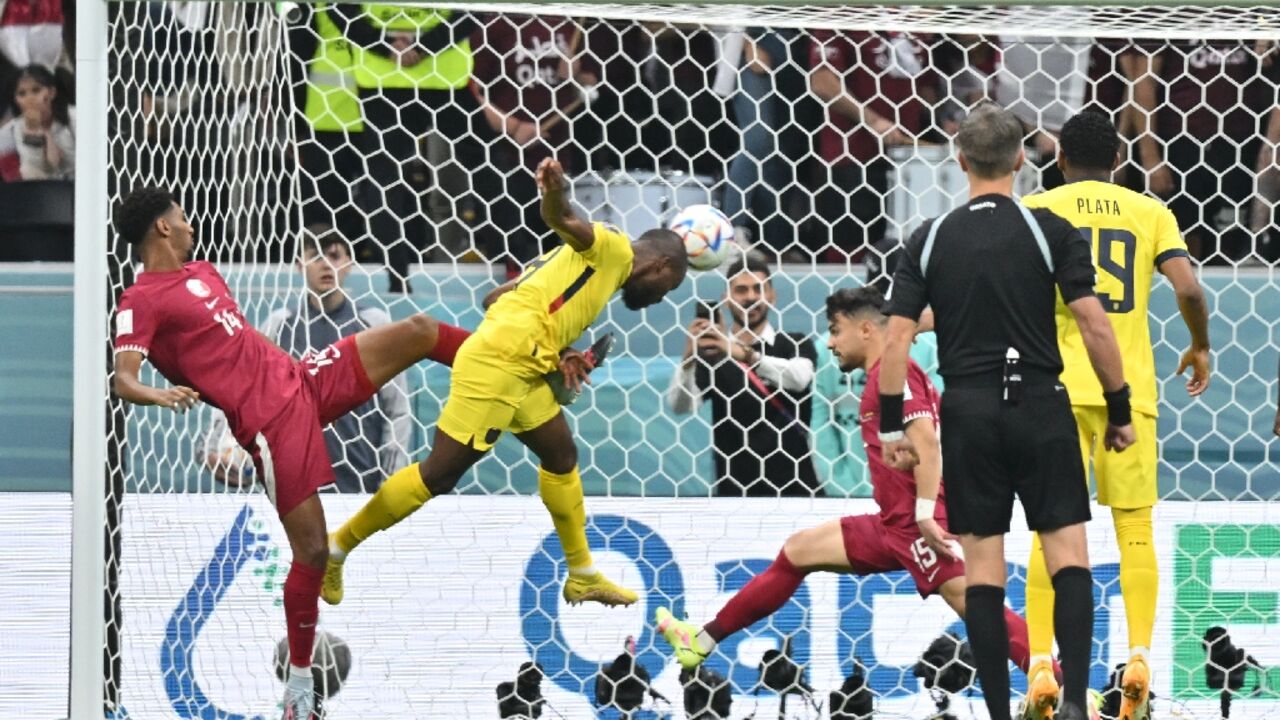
x: 198, y: 288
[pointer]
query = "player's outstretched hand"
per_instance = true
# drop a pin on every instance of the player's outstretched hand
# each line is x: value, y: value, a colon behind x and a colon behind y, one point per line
x: 899, y: 454
x: 177, y: 398
x: 937, y: 538
x: 576, y: 368
x: 1199, y: 362
x: 1119, y: 438
x: 550, y: 176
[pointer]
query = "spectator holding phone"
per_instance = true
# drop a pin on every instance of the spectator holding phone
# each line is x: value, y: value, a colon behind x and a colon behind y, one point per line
x: 758, y: 381
x: 39, y: 142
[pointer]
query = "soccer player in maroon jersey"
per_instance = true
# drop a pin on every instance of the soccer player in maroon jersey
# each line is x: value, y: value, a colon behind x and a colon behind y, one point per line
x: 181, y: 316
x: 909, y: 533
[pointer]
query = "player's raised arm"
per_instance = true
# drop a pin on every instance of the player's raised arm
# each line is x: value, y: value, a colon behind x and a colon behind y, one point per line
x: 129, y: 387
x: 576, y: 232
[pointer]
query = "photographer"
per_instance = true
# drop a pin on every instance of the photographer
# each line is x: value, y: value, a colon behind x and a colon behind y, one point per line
x: 758, y: 381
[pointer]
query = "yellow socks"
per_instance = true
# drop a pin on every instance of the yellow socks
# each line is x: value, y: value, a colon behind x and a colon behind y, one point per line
x: 1139, y: 574
x: 1039, y: 603
x: 562, y: 494
x: 401, y: 494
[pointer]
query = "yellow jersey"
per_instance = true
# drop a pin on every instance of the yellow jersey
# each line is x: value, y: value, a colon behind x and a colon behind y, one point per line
x: 557, y: 297
x: 1131, y: 235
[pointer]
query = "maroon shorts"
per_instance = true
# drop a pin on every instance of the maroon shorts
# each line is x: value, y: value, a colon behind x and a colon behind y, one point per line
x: 874, y: 548
x: 289, y: 454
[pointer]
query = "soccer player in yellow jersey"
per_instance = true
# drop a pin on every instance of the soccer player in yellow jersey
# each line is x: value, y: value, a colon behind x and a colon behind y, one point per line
x: 1132, y: 236
x: 498, y: 383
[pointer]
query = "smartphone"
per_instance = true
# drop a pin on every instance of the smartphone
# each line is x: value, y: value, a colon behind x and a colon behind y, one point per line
x: 705, y: 310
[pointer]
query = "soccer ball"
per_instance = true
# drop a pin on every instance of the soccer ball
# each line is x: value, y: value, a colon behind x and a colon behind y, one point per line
x: 707, y: 235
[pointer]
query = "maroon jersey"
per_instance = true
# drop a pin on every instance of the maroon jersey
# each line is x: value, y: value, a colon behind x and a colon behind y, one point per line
x: 190, y: 328
x: 895, y: 490
x: 882, y: 71
x: 517, y: 66
x: 1206, y: 78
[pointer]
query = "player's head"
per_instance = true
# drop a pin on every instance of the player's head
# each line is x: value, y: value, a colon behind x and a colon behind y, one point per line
x: 659, y: 267
x: 325, y: 260
x: 856, y: 320
x: 990, y: 141
x: 750, y: 295
x: 1089, y: 145
x: 149, y: 216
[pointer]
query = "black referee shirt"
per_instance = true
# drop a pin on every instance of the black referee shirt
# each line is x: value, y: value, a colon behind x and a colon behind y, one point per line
x: 989, y: 270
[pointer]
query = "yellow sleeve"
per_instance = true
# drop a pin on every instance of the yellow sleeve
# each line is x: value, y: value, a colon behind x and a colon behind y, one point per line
x: 611, y: 246
x: 1169, y: 240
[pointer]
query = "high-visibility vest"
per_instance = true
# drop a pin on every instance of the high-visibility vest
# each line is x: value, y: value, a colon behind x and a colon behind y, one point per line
x: 448, y: 69
x: 333, y: 103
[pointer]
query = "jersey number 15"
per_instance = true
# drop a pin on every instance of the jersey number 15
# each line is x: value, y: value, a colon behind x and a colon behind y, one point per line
x: 1122, y: 271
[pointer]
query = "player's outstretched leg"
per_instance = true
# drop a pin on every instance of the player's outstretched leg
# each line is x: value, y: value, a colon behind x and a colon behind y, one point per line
x: 387, y: 350
x: 399, y: 497
x: 818, y: 548
x: 561, y: 489
x: 304, y: 525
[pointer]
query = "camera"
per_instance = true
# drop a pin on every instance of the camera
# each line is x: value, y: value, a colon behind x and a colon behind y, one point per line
x: 853, y: 701
x: 1226, y: 665
x: 707, y: 695
x: 522, y: 698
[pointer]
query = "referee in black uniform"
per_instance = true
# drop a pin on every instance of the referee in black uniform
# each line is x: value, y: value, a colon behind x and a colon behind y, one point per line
x: 991, y: 271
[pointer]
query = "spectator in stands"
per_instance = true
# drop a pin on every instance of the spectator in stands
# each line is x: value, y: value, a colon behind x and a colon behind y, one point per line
x: 966, y: 66
x: 31, y: 32
x: 1262, y: 218
x: 367, y: 443
x: 757, y: 175
x: 758, y: 380
x: 531, y: 79
x: 329, y: 124
x: 877, y: 88
x: 39, y: 142
x: 837, y: 437
x: 1217, y: 94
x: 413, y: 68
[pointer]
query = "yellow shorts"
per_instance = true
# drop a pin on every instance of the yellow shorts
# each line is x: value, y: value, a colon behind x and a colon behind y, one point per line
x: 1126, y: 480
x: 486, y: 397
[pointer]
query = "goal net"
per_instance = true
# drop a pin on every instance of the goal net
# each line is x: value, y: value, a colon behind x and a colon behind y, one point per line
x: 411, y: 132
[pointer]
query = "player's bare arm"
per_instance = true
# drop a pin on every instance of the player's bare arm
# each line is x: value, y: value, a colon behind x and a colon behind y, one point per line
x: 576, y: 232
x: 127, y: 385
x: 1195, y: 313
x: 897, y: 452
x: 1104, y: 355
x: 928, y: 475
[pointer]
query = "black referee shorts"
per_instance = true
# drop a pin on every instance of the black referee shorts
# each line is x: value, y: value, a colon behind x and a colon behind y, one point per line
x: 993, y: 450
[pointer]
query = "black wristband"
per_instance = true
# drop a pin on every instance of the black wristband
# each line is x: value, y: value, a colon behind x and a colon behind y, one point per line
x: 1119, y: 413
x: 890, y: 413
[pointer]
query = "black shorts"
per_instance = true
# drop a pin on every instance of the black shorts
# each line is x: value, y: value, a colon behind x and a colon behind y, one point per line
x: 993, y: 450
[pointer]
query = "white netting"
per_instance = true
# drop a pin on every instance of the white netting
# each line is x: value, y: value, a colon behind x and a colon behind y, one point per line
x: 248, y: 113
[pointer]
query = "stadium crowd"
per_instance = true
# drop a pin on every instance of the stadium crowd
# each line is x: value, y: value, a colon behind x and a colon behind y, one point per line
x: 419, y: 130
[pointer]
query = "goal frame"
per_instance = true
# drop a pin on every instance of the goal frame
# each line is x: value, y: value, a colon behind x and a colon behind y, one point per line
x: 89, y: 428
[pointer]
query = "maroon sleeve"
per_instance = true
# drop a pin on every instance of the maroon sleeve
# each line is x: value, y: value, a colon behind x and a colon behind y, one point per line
x: 918, y: 401
x: 135, y: 323
x: 830, y: 49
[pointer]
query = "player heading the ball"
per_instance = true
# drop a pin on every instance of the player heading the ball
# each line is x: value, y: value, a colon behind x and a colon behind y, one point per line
x: 498, y: 384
